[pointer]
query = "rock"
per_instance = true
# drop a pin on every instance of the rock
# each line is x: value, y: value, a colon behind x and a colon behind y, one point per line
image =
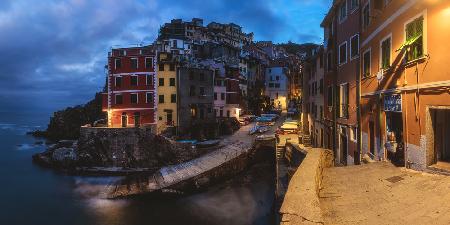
x: 64, y: 155
x: 66, y: 143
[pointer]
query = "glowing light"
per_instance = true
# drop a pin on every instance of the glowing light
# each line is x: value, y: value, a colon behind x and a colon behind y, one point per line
x: 446, y: 12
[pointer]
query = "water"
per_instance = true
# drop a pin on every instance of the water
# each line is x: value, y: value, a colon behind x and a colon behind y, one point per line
x: 33, y: 195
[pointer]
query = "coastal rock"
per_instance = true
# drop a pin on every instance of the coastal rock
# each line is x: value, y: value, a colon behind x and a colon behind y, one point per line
x: 64, y: 155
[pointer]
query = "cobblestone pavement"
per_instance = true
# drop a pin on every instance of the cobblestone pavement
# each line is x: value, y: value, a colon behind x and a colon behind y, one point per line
x: 380, y: 193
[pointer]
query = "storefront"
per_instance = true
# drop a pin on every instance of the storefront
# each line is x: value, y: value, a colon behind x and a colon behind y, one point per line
x: 394, y: 142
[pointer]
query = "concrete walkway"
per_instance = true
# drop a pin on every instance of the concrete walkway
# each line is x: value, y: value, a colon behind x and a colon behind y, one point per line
x: 380, y: 193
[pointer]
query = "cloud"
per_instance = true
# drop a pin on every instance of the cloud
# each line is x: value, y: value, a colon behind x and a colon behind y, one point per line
x: 56, y: 50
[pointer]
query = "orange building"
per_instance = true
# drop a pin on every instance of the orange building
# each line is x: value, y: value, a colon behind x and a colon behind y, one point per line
x: 405, y: 83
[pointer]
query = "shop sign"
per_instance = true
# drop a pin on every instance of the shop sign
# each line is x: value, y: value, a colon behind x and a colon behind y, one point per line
x: 393, y: 103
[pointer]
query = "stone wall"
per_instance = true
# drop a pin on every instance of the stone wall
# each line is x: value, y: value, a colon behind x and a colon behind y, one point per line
x: 130, y: 147
x: 301, y: 202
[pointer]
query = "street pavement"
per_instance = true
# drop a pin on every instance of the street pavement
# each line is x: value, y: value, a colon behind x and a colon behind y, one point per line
x: 380, y: 193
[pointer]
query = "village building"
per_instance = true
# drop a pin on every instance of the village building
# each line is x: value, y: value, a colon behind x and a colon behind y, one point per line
x: 130, y: 97
x: 167, y: 67
x: 277, y: 84
x: 405, y: 98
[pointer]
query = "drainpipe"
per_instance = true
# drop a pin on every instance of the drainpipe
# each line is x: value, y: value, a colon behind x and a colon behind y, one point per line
x: 358, y: 105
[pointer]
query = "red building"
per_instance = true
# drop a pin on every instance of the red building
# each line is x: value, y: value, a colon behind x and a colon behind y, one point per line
x: 130, y: 100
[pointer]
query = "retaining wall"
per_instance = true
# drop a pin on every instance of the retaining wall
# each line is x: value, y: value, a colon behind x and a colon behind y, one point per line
x: 301, y: 202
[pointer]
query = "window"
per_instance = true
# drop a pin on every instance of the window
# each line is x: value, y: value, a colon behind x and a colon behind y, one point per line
x: 172, y: 82
x: 354, y: 46
x: 277, y: 85
x: 386, y: 53
x: 134, y: 80
x: 343, y: 100
x: 134, y: 63
x: 271, y: 85
x: 117, y: 63
x: 321, y: 112
x: 148, y: 97
x: 215, y: 95
x: 330, y: 96
x: 148, y: 62
x: 414, y: 39
x: 119, y: 99
x: 161, y: 99
x: 118, y: 82
x: 343, y: 11
x: 222, y: 96
x: 134, y: 98
x: 174, y: 44
x: 161, y: 67
x: 202, y: 91
x: 173, y: 98
x: 172, y: 67
x: 161, y: 81
x: 192, y: 90
x: 366, y: 63
x: 366, y: 15
x: 148, y: 80
x: 343, y: 53
x: 277, y: 77
x: 354, y: 4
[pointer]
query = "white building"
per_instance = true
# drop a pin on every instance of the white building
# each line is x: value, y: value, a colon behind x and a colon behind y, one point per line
x: 277, y: 86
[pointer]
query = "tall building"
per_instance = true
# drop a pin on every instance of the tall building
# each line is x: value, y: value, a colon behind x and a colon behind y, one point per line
x: 405, y: 102
x: 167, y: 91
x: 341, y: 30
x: 277, y: 84
x: 130, y: 97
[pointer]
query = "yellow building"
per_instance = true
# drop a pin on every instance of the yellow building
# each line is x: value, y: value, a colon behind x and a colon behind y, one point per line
x: 167, y: 98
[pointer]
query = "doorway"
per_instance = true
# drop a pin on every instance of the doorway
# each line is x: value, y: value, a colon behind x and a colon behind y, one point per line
x: 441, y: 128
x: 124, y: 119
x: 372, y: 139
x: 137, y: 119
x: 343, y: 146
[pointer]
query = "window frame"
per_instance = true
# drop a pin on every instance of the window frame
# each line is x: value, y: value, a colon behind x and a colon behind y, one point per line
x: 147, y: 100
x: 388, y: 37
x: 115, y: 81
x: 115, y: 63
x: 137, y: 80
x: 161, y: 100
x: 346, y: 53
x: 343, y: 5
x: 137, y: 63
x: 115, y: 99
x: 147, y: 59
x: 351, y: 46
x: 131, y: 98
x: 161, y: 84
x: 148, y: 80
x: 424, y: 34
x: 369, y: 50
x: 170, y: 82
x: 173, y: 98
x: 364, y: 25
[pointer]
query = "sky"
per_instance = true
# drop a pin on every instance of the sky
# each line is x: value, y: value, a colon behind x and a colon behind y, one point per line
x: 53, y: 52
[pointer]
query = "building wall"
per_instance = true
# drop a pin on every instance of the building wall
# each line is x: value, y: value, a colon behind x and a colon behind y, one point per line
x: 167, y: 91
x: 423, y: 84
x: 145, y: 76
x: 191, y: 106
x: 277, y: 94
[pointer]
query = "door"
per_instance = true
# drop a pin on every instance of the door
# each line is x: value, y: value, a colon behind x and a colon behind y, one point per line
x: 137, y: 119
x: 441, y: 125
x: 169, y: 119
x: 124, y: 119
x: 372, y: 138
x: 343, y: 149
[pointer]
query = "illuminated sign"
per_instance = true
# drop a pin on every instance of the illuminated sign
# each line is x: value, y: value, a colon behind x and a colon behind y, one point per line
x: 393, y: 103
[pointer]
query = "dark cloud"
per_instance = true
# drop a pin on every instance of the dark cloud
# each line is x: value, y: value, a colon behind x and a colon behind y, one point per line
x: 54, y: 52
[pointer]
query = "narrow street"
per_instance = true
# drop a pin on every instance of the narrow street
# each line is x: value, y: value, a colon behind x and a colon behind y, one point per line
x: 380, y: 193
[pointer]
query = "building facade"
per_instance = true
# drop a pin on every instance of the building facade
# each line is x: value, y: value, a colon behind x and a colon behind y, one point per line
x: 405, y: 100
x: 277, y: 85
x: 130, y: 97
x: 166, y: 83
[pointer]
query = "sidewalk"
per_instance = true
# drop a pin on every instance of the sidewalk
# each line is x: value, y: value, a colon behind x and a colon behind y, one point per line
x: 380, y: 193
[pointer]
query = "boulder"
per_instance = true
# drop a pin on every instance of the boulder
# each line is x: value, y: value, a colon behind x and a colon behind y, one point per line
x: 64, y: 155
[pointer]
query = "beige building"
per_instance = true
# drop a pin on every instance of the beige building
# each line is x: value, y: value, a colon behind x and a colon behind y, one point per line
x: 166, y: 98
